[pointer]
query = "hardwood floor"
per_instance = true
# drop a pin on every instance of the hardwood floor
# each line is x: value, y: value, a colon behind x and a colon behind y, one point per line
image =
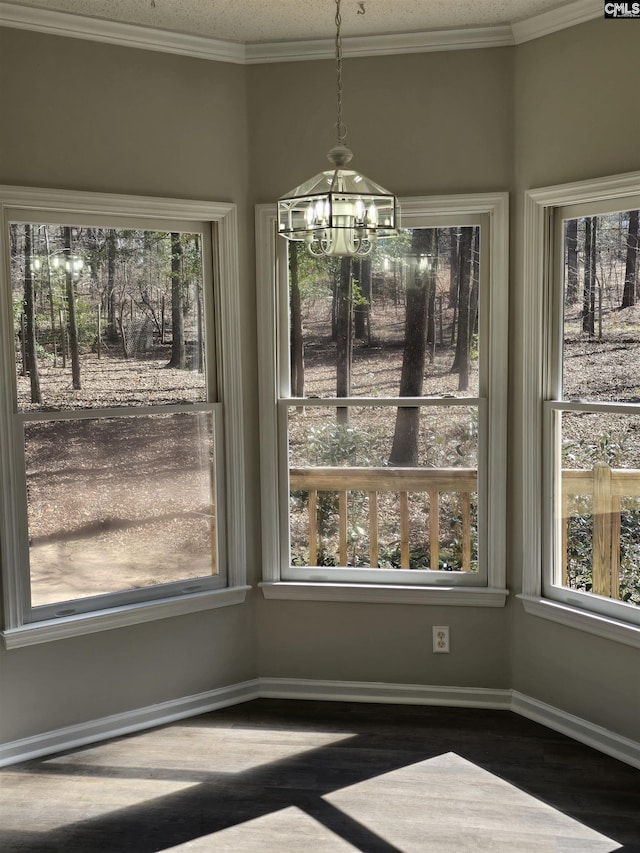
x: 319, y: 777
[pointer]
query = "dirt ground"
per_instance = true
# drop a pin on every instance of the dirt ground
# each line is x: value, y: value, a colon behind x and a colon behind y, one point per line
x: 123, y: 502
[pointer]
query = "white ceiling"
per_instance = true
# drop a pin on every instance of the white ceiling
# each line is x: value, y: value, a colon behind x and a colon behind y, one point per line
x: 265, y: 21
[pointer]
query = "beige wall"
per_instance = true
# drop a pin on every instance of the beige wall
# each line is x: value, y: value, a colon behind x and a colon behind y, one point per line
x: 419, y: 124
x: 81, y: 115
x: 577, y: 114
x: 86, y: 116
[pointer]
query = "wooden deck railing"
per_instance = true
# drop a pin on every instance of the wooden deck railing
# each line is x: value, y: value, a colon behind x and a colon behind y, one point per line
x: 373, y: 481
x: 607, y: 486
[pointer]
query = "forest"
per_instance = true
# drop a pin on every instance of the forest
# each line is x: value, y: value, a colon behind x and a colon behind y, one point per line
x: 402, y: 322
x: 112, y: 321
x: 114, y: 318
x: 85, y: 300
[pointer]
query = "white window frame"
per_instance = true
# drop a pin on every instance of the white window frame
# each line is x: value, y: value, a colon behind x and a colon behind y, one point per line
x: 540, y: 595
x: 220, y: 220
x: 417, y: 212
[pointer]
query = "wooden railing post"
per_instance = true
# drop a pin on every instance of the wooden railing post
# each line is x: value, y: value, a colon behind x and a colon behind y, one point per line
x: 615, y: 546
x: 434, y: 531
x: 313, y: 527
x: 373, y: 530
x: 602, y: 552
x: 404, y: 530
x: 342, y: 542
x: 465, y: 499
x: 565, y: 537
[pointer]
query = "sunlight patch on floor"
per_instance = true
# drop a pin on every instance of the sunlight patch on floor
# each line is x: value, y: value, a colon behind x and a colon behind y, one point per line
x: 288, y: 829
x: 54, y: 801
x: 459, y: 806
x: 200, y: 749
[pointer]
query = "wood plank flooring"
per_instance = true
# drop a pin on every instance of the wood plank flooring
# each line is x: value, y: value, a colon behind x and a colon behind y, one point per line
x: 316, y: 777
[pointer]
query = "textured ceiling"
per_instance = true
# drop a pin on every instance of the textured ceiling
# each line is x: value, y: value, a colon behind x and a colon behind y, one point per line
x: 256, y: 21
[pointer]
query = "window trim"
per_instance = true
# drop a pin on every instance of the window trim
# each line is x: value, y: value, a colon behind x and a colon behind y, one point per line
x: 539, y: 205
x: 414, y: 212
x: 222, y: 218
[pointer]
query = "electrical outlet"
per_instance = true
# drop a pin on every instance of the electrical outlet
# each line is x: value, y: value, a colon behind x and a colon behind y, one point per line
x: 440, y: 639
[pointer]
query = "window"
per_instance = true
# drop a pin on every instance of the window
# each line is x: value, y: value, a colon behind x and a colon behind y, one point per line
x: 582, y: 263
x: 381, y: 479
x: 114, y: 412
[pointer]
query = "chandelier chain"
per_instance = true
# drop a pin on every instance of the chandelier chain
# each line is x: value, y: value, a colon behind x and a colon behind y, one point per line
x: 340, y: 127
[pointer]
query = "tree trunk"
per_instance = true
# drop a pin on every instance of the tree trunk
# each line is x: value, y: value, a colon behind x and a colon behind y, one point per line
x: 71, y: 307
x: 462, y: 355
x: 454, y: 236
x: 112, y: 302
x: 178, y: 348
x: 571, y: 239
x: 344, y: 336
x: 296, y: 339
x: 52, y: 313
x: 431, y: 318
x: 362, y: 311
x: 404, y: 450
x: 31, y: 357
x: 475, y: 286
x: 202, y: 349
x: 631, y: 266
x: 589, y: 292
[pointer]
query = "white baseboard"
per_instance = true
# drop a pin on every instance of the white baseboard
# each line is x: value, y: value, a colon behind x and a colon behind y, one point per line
x: 574, y: 727
x: 70, y: 737
x: 372, y: 691
x: 116, y: 725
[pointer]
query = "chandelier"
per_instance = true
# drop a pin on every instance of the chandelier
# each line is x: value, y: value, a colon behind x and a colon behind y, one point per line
x: 338, y: 213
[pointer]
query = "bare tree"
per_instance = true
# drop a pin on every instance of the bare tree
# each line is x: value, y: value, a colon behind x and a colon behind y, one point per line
x: 571, y: 242
x: 296, y: 338
x: 461, y: 361
x: 178, y: 347
x: 111, y: 297
x: 71, y: 308
x: 362, y: 307
x: 30, y: 351
x: 589, y: 290
x: 344, y: 337
x: 404, y: 450
x: 631, y: 264
x: 454, y: 237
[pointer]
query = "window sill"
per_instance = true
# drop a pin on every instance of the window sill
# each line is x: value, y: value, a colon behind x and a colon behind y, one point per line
x: 583, y: 620
x: 119, y: 617
x: 381, y: 594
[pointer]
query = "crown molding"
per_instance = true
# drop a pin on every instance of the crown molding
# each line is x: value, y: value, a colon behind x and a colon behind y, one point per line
x: 115, y: 32
x: 384, y: 45
x: 203, y: 47
x: 557, y: 19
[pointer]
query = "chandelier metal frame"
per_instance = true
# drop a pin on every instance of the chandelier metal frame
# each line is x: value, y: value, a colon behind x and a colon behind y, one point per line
x: 338, y: 212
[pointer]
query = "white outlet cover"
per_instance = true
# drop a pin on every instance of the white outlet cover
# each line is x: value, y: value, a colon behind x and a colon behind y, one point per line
x: 440, y: 639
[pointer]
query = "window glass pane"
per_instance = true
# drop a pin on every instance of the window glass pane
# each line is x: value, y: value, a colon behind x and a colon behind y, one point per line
x: 427, y: 436
x: 106, y: 317
x: 119, y: 503
x: 401, y: 322
x: 384, y: 487
x: 599, y: 512
x: 601, y: 330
